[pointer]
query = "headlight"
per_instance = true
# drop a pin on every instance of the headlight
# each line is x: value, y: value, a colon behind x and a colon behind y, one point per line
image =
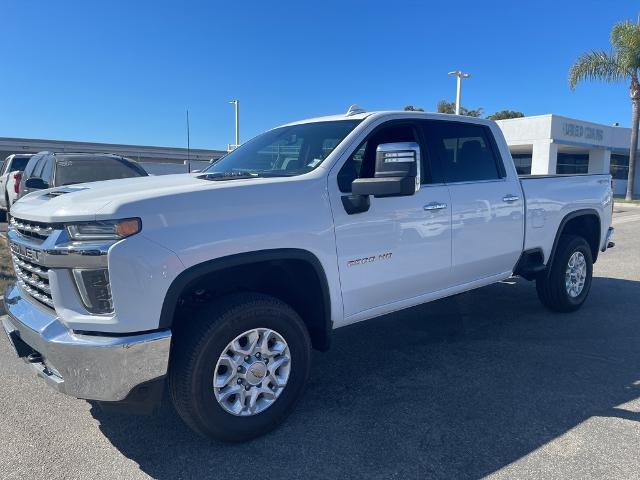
x: 94, y: 289
x: 105, y: 230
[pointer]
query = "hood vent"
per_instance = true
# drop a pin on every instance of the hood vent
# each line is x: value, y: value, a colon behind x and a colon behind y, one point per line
x: 57, y: 193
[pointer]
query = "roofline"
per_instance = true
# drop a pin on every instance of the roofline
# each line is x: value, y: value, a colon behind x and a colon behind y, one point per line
x: 382, y: 113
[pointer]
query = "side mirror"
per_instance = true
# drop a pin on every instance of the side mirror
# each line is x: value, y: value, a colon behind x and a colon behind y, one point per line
x: 397, y: 171
x: 36, y: 183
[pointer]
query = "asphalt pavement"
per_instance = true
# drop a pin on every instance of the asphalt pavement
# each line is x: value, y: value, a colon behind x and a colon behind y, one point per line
x: 483, y: 384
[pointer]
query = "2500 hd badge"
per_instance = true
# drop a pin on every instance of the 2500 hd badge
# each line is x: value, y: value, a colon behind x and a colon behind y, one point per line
x: 362, y: 261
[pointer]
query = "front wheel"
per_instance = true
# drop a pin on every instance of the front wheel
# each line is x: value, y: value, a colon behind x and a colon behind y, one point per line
x: 240, y: 368
x: 565, y: 287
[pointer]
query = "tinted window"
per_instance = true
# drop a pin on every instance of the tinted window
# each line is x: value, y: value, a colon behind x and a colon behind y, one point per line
x: 619, y: 166
x: 19, y: 164
x: 361, y: 163
x: 72, y: 169
x: 286, y: 151
x: 572, y: 164
x: 39, y: 168
x: 47, y: 169
x: 465, y: 151
x: 522, y: 162
x: 33, y: 162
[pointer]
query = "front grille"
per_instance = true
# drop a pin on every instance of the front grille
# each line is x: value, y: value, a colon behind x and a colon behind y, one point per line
x: 33, y: 279
x: 33, y: 230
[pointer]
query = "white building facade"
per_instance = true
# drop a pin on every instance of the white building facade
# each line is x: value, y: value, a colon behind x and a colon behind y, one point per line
x: 552, y: 144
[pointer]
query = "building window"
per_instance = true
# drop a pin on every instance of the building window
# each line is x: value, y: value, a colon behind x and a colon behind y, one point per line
x: 522, y: 162
x: 572, y: 164
x: 619, y: 166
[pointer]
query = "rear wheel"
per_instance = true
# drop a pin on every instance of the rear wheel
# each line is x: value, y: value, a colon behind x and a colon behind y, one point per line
x: 239, y: 370
x: 566, y: 285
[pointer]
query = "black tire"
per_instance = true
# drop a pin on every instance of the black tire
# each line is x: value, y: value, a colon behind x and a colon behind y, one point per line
x: 551, y: 287
x: 196, y: 351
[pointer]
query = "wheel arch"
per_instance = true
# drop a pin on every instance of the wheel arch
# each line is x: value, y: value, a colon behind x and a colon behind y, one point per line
x: 228, y: 273
x: 584, y: 222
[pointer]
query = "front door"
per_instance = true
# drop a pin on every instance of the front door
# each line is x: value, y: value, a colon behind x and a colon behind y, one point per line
x: 398, y: 250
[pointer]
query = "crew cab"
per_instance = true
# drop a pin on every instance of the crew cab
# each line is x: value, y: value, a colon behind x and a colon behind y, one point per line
x: 217, y: 285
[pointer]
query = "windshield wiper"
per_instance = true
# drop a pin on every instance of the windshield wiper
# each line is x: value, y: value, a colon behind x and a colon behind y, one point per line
x: 227, y: 175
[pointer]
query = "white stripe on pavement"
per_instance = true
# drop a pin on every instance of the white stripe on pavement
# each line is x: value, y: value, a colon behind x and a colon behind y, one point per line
x: 630, y: 218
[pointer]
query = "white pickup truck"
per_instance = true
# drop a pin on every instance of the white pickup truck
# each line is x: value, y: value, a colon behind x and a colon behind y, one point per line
x: 218, y: 284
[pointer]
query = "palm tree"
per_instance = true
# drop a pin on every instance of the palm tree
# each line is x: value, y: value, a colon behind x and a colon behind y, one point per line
x: 621, y: 64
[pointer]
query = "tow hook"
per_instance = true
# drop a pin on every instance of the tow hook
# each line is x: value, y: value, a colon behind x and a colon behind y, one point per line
x: 34, y: 357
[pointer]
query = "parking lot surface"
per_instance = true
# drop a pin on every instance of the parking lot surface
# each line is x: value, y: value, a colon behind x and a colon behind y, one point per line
x: 484, y: 384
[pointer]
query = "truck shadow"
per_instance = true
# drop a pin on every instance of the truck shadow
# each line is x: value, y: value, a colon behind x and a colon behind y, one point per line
x: 458, y: 388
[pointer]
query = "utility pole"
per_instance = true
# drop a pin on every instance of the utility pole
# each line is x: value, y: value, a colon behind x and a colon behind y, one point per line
x: 188, y: 144
x: 236, y: 104
x: 459, y: 75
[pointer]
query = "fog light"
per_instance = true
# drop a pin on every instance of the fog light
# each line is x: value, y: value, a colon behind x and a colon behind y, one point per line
x: 94, y: 289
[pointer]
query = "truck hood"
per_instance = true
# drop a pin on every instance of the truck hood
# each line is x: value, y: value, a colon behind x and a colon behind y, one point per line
x: 101, y: 200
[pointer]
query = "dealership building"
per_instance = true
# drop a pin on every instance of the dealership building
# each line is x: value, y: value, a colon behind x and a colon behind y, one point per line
x: 552, y: 144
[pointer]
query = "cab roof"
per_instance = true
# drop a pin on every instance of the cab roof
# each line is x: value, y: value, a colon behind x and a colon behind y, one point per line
x: 361, y: 115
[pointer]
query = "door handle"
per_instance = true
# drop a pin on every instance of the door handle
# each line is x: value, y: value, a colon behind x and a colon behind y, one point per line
x: 435, y: 206
x: 510, y: 198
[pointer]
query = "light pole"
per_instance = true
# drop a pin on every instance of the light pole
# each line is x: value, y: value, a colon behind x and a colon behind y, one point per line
x: 459, y: 75
x: 236, y: 104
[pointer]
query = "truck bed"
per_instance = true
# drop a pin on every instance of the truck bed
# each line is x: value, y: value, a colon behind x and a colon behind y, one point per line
x: 549, y: 198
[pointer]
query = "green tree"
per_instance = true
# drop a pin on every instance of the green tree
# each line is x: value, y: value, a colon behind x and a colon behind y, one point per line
x: 619, y: 65
x: 450, y: 107
x: 411, y: 108
x: 505, y: 114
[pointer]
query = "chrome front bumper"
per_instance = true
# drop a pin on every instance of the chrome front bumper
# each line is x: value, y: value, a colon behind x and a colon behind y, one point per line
x: 93, y: 367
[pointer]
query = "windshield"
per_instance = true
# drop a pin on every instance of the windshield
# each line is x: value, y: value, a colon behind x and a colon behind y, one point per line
x: 72, y: 170
x: 285, y: 151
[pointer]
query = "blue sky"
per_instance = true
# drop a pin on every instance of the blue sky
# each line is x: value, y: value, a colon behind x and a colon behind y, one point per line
x: 126, y: 71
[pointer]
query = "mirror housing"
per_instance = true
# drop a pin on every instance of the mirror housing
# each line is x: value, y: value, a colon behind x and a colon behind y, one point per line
x: 397, y: 171
x: 36, y: 183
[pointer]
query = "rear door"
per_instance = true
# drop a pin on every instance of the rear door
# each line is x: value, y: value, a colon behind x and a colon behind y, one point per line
x: 487, y: 222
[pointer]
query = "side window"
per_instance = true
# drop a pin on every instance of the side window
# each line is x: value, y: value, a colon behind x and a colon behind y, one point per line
x: 361, y: 163
x: 38, y: 169
x: 47, y: 170
x: 33, y: 163
x: 5, y: 166
x: 465, y: 150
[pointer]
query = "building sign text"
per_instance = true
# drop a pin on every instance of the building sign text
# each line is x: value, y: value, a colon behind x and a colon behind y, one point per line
x: 579, y: 131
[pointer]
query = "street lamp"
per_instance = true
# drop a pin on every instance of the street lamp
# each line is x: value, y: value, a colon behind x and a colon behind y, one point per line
x: 236, y: 104
x: 459, y: 75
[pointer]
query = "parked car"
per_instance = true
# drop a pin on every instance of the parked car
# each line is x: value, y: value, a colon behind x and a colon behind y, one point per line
x: 218, y: 285
x: 10, y: 175
x: 46, y: 170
